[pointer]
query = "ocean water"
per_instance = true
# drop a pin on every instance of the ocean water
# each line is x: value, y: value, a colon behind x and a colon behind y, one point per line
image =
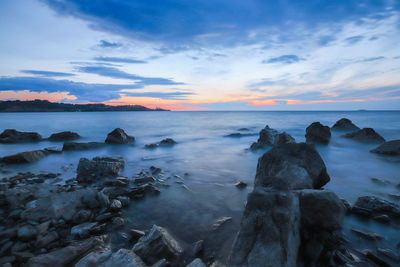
x: 210, y: 163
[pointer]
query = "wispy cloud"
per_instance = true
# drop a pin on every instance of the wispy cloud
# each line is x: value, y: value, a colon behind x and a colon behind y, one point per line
x: 44, y: 73
x: 120, y: 60
x: 106, y: 44
x: 285, y: 59
x: 354, y: 39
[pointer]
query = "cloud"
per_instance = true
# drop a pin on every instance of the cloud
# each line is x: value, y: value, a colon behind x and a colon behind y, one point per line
x: 163, y: 95
x: 119, y: 74
x: 105, y: 44
x: 43, y: 73
x: 325, y: 40
x: 354, y: 39
x: 120, y: 60
x: 373, y: 59
x: 285, y: 59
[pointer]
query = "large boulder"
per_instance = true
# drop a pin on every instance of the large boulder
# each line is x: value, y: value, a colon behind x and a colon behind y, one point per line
x: 318, y: 133
x: 269, y: 232
x: 366, y: 135
x: 156, y: 245
x: 118, y: 136
x: 345, y: 124
x: 81, y: 146
x: 376, y: 206
x: 14, y: 136
x: 294, y: 165
x: 388, y: 148
x: 25, y: 157
x: 267, y: 136
x: 64, y: 136
x: 99, y: 167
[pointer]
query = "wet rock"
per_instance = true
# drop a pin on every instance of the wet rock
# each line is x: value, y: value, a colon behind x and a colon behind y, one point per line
x: 27, y: 233
x: 167, y: 142
x: 366, y: 235
x: 157, y: 244
x: 43, y: 241
x: 90, y: 199
x: 388, y: 148
x: 115, y: 205
x: 267, y: 136
x: 14, y: 136
x: 198, y: 248
x: 83, y: 230
x: 377, y: 206
x: 220, y: 222
x: 81, y: 216
x: 344, y: 125
x: 68, y: 146
x: 151, y: 146
x: 161, y: 263
x: 257, y: 146
x: 135, y: 234
x: 269, y: 231
x: 240, y: 184
x: 381, y: 218
x: 292, y: 166
x: 143, y: 180
x: 118, y: 222
x: 366, y: 135
x: 125, y: 201
x: 118, y: 136
x: 374, y: 258
x: 196, y: 263
x: 389, y: 253
x: 283, y: 138
x: 99, y: 167
x: 103, y: 200
x: 318, y: 133
x: 105, y: 216
x: 53, y: 150
x: 238, y: 134
x: 122, y: 257
x: 64, y: 136
x: 25, y: 157
x: 346, y: 205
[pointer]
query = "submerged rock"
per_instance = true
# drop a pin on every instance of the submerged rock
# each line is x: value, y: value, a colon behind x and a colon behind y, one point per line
x: 118, y: 136
x: 344, y: 124
x: 367, y: 135
x: 238, y: 134
x: 81, y: 146
x: 64, y: 136
x: 240, y: 185
x: 156, y: 245
x: 388, y: 148
x: 25, y: 157
x: 99, y: 167
x: 318, y: 133
x: 167, y: 142
x: 14, y: 136
x: 291, y: 166
x: 374, y: 206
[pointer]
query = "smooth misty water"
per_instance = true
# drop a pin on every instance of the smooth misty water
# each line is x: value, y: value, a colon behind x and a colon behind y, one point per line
x: 214, y: 162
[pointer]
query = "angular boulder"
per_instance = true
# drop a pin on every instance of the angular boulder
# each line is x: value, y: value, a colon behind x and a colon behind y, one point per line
x: 376, y: 206
x: 283, y: 138
x: 269, y: 232
x: 366, y: 135
x: 14, y: 136
x: 81, y: 146
x: 118, y: 136
x: 156, y: 245
x: 318, y: 133
x: 388, y: 148
x: 25, y: 157
x: 345, y: 124
x: 64, y: 136
x: 267, y: 136
x: 99, y: 167
x: 293, y: 166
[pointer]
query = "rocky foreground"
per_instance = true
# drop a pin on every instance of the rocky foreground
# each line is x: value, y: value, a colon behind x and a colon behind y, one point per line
x: 289, y: 218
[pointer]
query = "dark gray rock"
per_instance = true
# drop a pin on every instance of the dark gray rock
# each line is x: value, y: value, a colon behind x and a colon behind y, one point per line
x: 269, y: 231
x: 115, y: 205
x: 83, y: 230
x: 318, y: 133
x: 196, y: 263
x: 14, y: 136
x: 27, y: 233
x: 25, y: 157
x: 267, y: 136
x: 68, y: 146
x: 366, y: 135
x: 121, y: 258
x: 99, y: 167
x: 239, y: 135
x: 344, y: 125
x: 240, y: 184
x: 220, y: 222
x: 64, y: 136
x: 118, y: 136
x: 103, y: 200
x: 157, y: 244
x: 283, y: 138
x: 388, y: 148
x: 377, y: 206
x: 44, y: 240
x: 257, y: 146
x: 167, y: 142
x: 81, y: 216
x: 293, y: 166
x: 144, y: 180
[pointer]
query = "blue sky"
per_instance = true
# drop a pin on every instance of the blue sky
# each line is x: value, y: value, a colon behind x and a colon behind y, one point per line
x: 198, y: 54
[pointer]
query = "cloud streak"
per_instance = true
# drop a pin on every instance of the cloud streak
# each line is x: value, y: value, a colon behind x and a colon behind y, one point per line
x: 120, y: 60
x: 284, y: 59
x: 43, y: 73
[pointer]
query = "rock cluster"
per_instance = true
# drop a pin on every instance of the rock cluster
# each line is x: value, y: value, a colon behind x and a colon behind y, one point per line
x: 270, y: 137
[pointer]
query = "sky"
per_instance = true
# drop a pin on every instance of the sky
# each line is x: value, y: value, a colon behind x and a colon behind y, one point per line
x: 203, y: 55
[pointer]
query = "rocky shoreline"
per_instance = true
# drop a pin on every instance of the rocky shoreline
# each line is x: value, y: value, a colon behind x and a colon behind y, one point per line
x: 289, y: 218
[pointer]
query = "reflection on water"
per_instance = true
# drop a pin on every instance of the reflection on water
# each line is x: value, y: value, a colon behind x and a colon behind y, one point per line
x: 214, y: 162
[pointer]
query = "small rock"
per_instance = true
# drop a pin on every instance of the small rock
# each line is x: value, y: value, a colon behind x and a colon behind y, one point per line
x: 115, y: 205
x: 389, y: 253
x: 367, y: 235
x: 240, y: 184
x: 344, y: 125
x: 143, y: 180
x: 118, y: 136
x: 43, y: 241
x: 367, y: 135
x: 64, y: 136
x: 118, y: 222
x: 83, y: 230
x: 221, y: 221
x: 196, y: 263
x: 167, y: 142
x: 388, y: 148
x: 27, y: 233
x: 380, y: 262
x: 103, y: 200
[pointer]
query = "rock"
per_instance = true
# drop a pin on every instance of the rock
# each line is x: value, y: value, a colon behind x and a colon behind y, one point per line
x: 283, y: 138
x: 367, y: 235
x: 366, y: 135
x: 196, y: 263
x: 198, y: 248
x: 90, y: 199
x: 81, y: 216
x: 377, y: 206
x: 53, y: 150
x: 344, y: 125
x: 269, y: 231
x: 105, y: 216
x: 118, y: 222
x: 118, y: 136
x: 26, y: 233
x: 121, y: 258
x: 83, y: 230
x: 346, y: 205
x: 382, y: 218
x: 99, y: 167
x: 238, y: 134
x: 220, y: 222
x: 318, y: 133
x: 267, y: 136
x: 125, y: 201
x: 64, y: 136
x: 292, y: 166
x: 14, y: 136
x: 157, y: 244
x: 240, y: 185
x: 43, y: 241
x: 143, y: 180
x: 67, y: 255
x: 374, y: 258
x: 103, y: 200
x: 167, y: 142
x: 161, y: 263
x: 136, y: 234
x: 389, y: 253
x: 81, y: 146
x: 151, y: 146
x: 25, y: 157
x: 257, y: 146
x: 388, y: 148
x: 115, y: 205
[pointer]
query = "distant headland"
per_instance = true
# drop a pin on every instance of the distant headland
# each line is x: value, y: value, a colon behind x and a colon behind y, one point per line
x: 47, y: 106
